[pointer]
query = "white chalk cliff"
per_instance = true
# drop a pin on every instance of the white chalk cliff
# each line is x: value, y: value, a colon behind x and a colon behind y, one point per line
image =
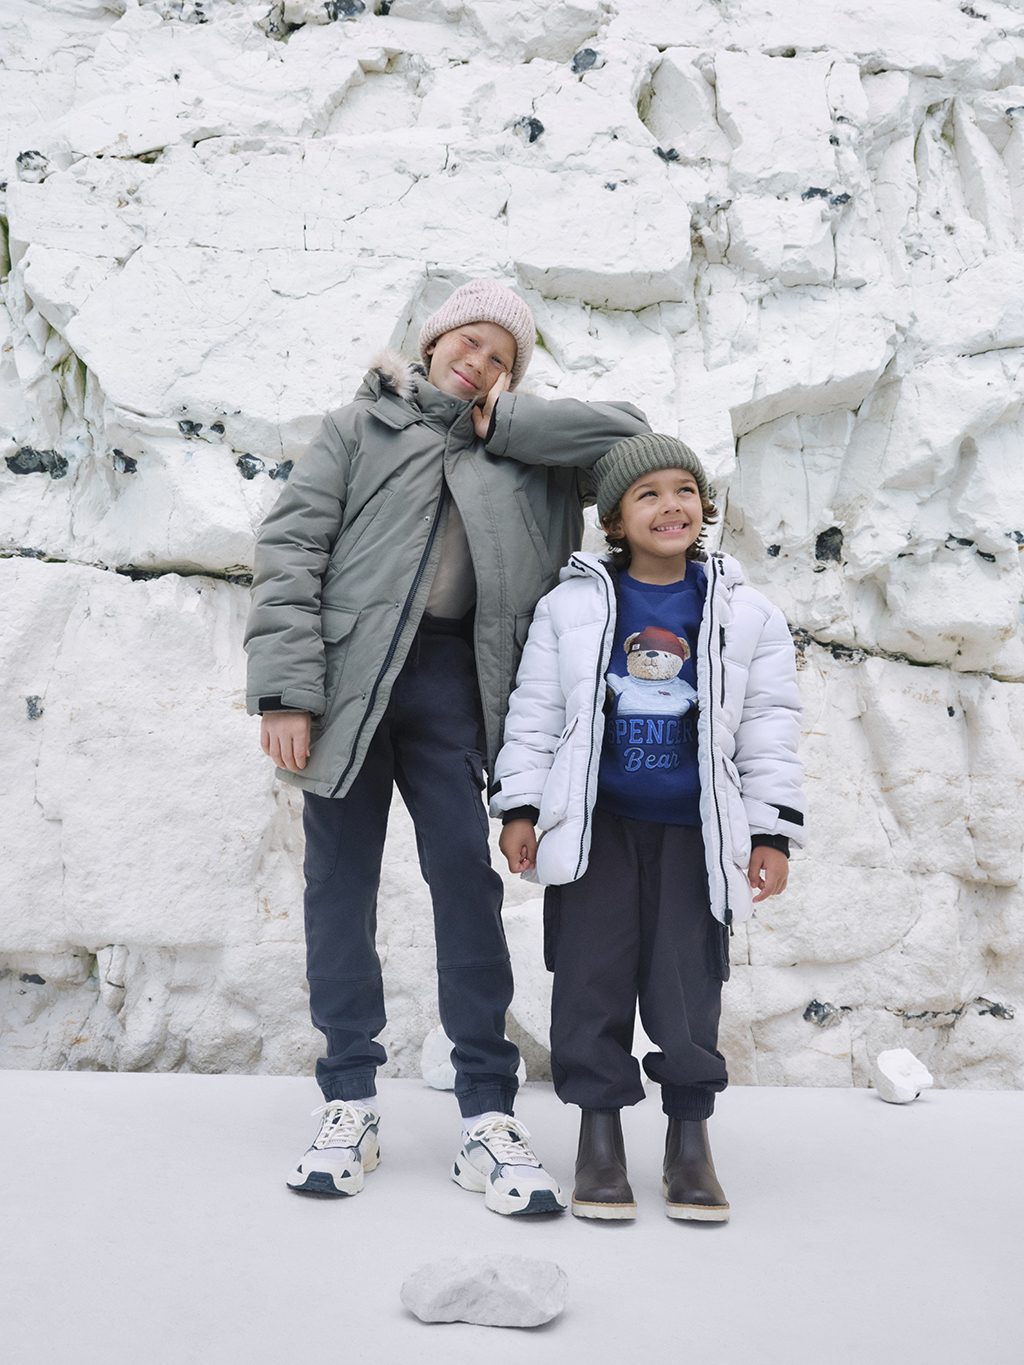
x: 791, y: 233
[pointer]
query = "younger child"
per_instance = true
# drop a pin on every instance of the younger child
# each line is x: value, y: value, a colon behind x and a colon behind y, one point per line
x: 651, y: 740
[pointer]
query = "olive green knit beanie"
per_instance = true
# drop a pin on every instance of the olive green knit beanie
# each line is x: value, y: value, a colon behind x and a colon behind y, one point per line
x: 637, y: 455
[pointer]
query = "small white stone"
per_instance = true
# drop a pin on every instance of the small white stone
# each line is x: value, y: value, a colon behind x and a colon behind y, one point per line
x: 492, y: 1291
x: 436, y: 1061
x: 899, y: 1077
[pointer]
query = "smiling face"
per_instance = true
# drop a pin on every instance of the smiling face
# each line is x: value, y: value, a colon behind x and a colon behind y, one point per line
x: 660, y: 515
x: 468, y: 361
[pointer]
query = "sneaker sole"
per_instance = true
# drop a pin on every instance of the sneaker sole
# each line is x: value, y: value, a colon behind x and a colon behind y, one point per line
x: 323, y: 1182
x: 582, y: 1209
x: 540, y: 1201
x: 696, y: 1213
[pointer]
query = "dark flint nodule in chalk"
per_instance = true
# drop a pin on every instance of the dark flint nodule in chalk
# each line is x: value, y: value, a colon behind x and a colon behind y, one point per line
x: 670, y: 155
x: 989, y: 559
x: 33, y: 978
x: 282, y: 470
x: 125, y: 464
x: 829, y: 545
x: 344, y: 9
x: 584, y: 60
x: 824, y: 1014
x: 34, y: 707
x: 29, y: 461
x: 815, y: 192
x: 950, y: 710
x: 839, y: 199
x: 773, y: 551
x: 531, y: 127
x: 611, y: 184
x: 190, y: 428
x: 218, y: 427
x: 833, y: 139
x: 30, y: 552
x: 1018, y: 536
x: 249, y: 466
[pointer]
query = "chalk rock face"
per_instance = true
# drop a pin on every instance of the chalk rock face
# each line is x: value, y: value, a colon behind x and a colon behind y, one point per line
x: 899, y: 1077
x: 493, y: 1291
x: 791, y: 234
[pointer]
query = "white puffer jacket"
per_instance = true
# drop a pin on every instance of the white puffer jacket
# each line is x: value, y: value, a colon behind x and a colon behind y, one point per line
x: 747, y: 729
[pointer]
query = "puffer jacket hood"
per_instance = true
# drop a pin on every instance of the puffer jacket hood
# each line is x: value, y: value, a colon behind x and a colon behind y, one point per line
x: 747, y: 728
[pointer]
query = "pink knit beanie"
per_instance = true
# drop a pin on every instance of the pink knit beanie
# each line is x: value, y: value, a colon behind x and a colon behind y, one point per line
x: 485, y: 301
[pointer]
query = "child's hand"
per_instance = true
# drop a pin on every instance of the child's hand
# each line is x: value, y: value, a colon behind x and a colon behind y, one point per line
x: 284, y: 736
x: 771, y: 865
x: 482, y: 413
x: 518, y: 842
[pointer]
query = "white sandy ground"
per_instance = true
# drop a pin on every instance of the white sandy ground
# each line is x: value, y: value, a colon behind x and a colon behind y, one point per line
x: 147, y: 1220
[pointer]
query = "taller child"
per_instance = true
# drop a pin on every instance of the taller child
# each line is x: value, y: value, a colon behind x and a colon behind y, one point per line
x: 395, y: 579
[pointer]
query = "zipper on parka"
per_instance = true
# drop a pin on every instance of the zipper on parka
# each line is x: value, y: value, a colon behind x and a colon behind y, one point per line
x: 406, y: 609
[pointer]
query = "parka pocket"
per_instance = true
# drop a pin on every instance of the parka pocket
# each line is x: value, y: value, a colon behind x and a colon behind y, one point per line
x: 336, y: 627
x: 541, y: 550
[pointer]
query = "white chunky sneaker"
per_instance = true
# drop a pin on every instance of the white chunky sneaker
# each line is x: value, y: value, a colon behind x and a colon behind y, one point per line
x: 344, y: 1149
x: 498, y: 1161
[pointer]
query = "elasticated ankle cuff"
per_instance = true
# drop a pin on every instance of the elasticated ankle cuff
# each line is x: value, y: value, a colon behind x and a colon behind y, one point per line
x: 484, y: 1101
x: 691, y: 1102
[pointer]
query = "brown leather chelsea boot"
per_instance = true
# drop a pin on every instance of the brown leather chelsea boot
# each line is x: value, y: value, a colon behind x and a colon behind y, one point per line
x: 602, y: 1188
x: 690, y: 1186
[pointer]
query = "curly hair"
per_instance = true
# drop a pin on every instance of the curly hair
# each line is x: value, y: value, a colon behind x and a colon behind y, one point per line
x: 618, y: 547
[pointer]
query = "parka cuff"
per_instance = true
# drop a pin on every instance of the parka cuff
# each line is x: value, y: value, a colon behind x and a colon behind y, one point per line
x: 291, y: 699
x: 501, y: 425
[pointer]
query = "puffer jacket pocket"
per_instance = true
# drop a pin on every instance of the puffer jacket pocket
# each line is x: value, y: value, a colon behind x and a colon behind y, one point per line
x: 558, y: 785
x: 739, y: 829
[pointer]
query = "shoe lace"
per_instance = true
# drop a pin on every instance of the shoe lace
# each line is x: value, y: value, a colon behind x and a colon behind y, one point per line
x: 507, y: 1139
x: 342, y: 1124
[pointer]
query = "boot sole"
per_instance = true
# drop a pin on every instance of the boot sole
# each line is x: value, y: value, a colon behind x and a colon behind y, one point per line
x: 697, y: 1213
x: 581, y: 1209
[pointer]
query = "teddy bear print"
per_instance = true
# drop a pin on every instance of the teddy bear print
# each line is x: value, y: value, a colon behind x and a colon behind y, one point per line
x: 652, y: 685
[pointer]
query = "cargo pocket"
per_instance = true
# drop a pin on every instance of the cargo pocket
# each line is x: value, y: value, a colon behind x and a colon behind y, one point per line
x: 717, y: 950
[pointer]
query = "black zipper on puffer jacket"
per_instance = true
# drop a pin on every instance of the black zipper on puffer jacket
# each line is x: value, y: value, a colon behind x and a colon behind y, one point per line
x: 713, y: 565
x: 442, y: 499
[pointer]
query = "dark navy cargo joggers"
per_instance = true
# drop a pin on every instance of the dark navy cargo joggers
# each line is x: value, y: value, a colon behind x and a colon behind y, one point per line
x: 429, y: 745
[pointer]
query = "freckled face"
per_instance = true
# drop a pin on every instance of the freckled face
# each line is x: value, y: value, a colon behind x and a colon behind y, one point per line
x: 661, y: 516
x: 468, y: 361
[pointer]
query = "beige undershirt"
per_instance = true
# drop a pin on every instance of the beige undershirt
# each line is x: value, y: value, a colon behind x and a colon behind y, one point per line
x: 453, y: 590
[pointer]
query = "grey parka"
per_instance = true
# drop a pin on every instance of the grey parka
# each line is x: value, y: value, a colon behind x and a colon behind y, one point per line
x: 345, y: 559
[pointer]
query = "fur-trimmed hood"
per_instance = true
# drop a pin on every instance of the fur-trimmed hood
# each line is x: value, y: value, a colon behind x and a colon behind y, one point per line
x: 398, y: 374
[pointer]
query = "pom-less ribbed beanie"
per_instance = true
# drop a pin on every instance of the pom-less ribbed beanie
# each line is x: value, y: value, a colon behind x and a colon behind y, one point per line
x: 637, y: 455
x: 485, y: 301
